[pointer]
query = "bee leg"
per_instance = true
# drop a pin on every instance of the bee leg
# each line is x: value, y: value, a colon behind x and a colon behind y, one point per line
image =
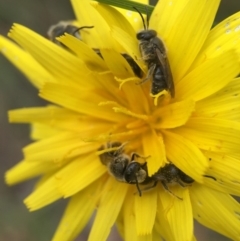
x: 138, y: 188
x: 167, y: 189
x: 146, y: 188
x: 149, y: 74
x: 182, y: 184
x: 210, y: 177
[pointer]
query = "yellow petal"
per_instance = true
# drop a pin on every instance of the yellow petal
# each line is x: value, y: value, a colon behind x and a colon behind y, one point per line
x: 40, y: 131
x: 84, y: 52
x: 58, y: 61
x: 160, y: 19
x: 129, y: 43
x: 58, y: 148
x: 133, y: 17
x: 208, y: 203
x: 114, y: 18
x: 117, y: 64
x: 183, y: 42
x: 209, y: 77
x: 174, y: 115
x: 41, y: 114
x: 147, y: 237
x: 61, y: 119
x: 87, y: 15
x: 113, y: 196
x: 44, y: 194
x: 235, y: 155
x: 110, y: 89
x: 25, y: 63
x: 176, y: 209
x: 212, y: 134
x: 154, y: 149
x: 25, y: 170
x: 137, y: 93
x: 77, y: 213
x: 145, y: 212
x: 78, y: 174
x: 185, y: 155
x: 130, y: 231
x: 225, y: 100
x: 226, y: 170
x: 78, y: 100
x: 162, y: 226
x: 232, y: 115
x: 221, y: 38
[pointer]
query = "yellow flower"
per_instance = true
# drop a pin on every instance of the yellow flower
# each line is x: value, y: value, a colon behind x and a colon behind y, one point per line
x: 198, y: 130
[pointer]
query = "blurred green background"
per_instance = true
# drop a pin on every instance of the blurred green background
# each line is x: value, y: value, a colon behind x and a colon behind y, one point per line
x: 16, y: 222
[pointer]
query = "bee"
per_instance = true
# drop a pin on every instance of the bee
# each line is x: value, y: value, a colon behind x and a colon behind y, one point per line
x: 154, y: 54
x: 62, y: 27
x: 122, y: 167
x: 170, y: 174
x: 125, y: 168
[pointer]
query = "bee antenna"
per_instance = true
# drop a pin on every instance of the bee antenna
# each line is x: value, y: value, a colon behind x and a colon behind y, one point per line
x: 82, y: 28
x: 148, y: 16
x: 144, y: 24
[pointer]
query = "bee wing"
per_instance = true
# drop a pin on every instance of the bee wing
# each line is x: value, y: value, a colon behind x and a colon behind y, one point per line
x: 166, y: 71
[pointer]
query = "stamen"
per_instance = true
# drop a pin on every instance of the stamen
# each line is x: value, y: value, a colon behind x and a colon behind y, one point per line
x: 107, y: 103
x: 162, y: 94
x: 98, y: 153
x: 123, y: 81
x: 105, y: 72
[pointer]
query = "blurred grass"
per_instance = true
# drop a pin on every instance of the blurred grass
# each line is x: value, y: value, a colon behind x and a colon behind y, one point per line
x: 16, y: 223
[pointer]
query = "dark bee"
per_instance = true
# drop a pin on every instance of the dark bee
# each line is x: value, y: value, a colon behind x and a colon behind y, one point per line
x: 124, y: 167
x: 62, y: 27
x: 154, y: 54
x: 171, y: 174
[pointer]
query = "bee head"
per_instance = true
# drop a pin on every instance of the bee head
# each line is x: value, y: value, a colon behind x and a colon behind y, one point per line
x: 135, y: 173
x: 146, y: 34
